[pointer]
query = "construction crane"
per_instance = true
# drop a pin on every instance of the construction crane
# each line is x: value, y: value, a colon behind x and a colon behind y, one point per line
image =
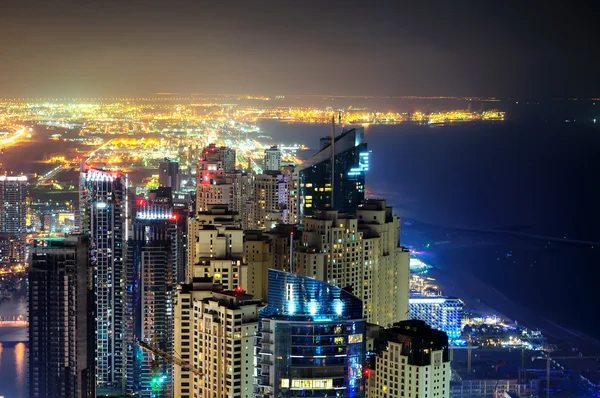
x: 549, y: 359
x: 184, y: 365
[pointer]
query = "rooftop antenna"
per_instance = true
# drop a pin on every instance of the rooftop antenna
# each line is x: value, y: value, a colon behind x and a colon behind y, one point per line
x: 332, y: 159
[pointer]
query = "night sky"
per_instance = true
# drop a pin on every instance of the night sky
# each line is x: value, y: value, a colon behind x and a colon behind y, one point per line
x: 488, y: 48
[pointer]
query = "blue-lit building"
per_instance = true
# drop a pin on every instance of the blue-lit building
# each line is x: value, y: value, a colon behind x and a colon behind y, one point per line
x: 311, y: 340
x: 439, y: 312
x: 351, y: 162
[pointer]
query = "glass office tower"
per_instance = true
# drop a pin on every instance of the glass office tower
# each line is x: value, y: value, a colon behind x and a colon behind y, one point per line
x: 311, y: 340
x: 351, y: 162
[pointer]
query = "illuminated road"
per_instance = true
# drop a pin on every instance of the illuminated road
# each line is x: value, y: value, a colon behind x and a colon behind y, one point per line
x: 52, y: 173
x: 13, y: 138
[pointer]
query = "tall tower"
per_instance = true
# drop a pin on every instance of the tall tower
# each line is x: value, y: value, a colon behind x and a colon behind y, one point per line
x: 13, y: 206
x: 216, y: 246
x: 61, y: 320
x: 340, y: 165
x: 212, y: 186
x: 152, y: 258
x: 102, y: 207
x: 359, y: 251
x: 311, y: 338
x: 224, y: 325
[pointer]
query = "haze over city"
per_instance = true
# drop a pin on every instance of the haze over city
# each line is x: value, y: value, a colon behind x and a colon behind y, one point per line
x: 460, y: 48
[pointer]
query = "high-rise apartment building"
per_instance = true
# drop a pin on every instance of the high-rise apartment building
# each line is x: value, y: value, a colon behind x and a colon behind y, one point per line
x: 224, y: 323
x: 411, y: 360
x: 386, y: 262
x: 212, y: 186
x: 102, y: 209
x: 152, y: 259
x: 270, y: 199
x: 258, y: 259
x: 61, y: 320
x: 291, y: 210
x: 168, y: 174
x: 315, y: 185
x: 13, y: 205
x: 360, y: 252
x: 185, y: 335
x: 272, y: 159
x: 439, y: 312
x: 216, y: 246
x: 311, y: 340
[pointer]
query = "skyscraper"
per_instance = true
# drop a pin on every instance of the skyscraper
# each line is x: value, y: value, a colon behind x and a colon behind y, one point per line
x: 311, y: 340
x: 216, y: 246
x: 168, y: 174
x: 314, y: 175
x: 359, y: 251
x: 61, y: 320
x: 185, y: 333
x: 13, y: 205
x: 411, y: 360
x: 224, y: 324
x: 212, y: 186
x: 102, y: 207
x: 152, y: 258
x: 272, y: 159
x: 270, y: 199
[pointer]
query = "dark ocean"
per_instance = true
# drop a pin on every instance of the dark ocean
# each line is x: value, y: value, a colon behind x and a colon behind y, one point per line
x: 513, y: 205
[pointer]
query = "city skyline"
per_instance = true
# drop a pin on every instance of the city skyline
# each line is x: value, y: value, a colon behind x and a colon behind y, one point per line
x: 339, y: 198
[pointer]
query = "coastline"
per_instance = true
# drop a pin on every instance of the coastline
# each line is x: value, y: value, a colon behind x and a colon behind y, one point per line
x: 481, y: 297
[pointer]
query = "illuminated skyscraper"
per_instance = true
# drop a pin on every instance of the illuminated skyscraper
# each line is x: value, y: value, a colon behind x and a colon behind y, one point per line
x: 411, y: 360
x: 314, y: 175
x: 223, y: 324
x: 270, y: 199
x: 311, y: 340
x: 61, y: 320
x: 359, y: 251
x: 102, y: 209
x: 216, y: 246
x: 212, y: 186
x: 152, y: 258
x: 272, y: 159
x: 13, y: 205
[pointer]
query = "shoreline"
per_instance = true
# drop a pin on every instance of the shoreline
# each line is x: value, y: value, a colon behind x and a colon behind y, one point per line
x: 493, y: 302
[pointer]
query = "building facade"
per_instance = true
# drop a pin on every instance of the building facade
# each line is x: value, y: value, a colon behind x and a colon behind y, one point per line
x: 216, y: 246
x: 359, y: 251
x: 13, y: 204
x: 272, y: 159
x: 102, y: 209
x: 152, y: 263
x: 61, y: 320
x: 311, y: 340
x: 315, y: 185
x: 441, y: 313
x: 214, y: 333
x: 168, y: 174
x: 410, y: 360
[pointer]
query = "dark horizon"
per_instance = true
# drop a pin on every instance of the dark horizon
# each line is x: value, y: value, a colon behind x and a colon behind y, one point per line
x: 75, y: 49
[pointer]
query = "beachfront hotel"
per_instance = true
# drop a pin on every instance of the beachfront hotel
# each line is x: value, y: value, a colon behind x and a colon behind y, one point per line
x: 439, y: 312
